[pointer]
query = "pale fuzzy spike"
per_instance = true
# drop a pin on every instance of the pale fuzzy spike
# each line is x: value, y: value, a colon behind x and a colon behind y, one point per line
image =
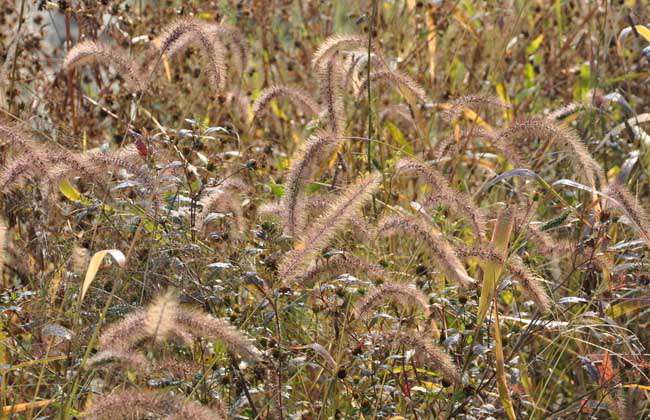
x: 14, y: 173
x: 531, y: 283
x: 404, y: 295
x: 223, y: 200
x: 206, y: 326
x: 3, y: 247
x: 426, y: 352
x: 302, y: 168
x: 355, y: 62
x: 184, y: 32
x: 341, y: 264
x: 399, y: 113
x: 144, y: 404
x: 125, y: 333
x: 400, y: 81
x: 311, y: 206
x: 161, y: 315
x: 336, y: 43
x: 442, y: 193
x: 32, y: 158
x: 89, y: 52
x: 79, y: 259
x: 438, y: 247
x: 546, y: 129
x: 271, y: 210
x: 297, y: 96
x: 630, y: 207
x: 125, y: 358
x: 473, y: 102
x: 322, y: 231
x: 233, y: 37
x: 566, y: 110
x: 330, y: 90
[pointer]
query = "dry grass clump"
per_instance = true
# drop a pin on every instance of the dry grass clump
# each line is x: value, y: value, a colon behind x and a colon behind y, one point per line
x: 260, y: 161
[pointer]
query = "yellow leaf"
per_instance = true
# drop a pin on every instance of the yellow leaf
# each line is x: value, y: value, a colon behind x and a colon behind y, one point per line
x: 19, y: 408
x: 502, y: 382
x: 500, y: 240
x: 503, y: 95
x: 643, y: 31
x: 94, y: 264
x: 432, y: 45
x: 639, y: 386
x: 69, y: 191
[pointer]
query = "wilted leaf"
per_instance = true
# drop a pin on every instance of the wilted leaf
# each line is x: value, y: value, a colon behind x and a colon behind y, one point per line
x: 94, y: 265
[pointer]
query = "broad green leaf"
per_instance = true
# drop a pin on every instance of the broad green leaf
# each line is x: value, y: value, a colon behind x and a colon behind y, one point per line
x: 95, y: 263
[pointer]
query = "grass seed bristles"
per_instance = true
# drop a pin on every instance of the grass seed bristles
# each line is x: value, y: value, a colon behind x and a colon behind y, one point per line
x: 160, y: 316
x: 312, y: 206
x: 15, y: 172
x: 126, y: 333
x: 330, y: 90
x: 515, y: 266
x: 343, y: 263
x: 132, y: 404
x: 232, y: 37
x: 426, y: 352
x: 184, y: 32
x: 317, y: 237
x: 336, y: 43
x: 300, y: 98
x: 125, y: 358
x: 404, y: 84
x: 203, y: 325
x: 442, y: 193
x: 630, y: 207
x: 221, y: 199
x: 302, y: 168
x: 553, y: 132
x: 400, y: 294
x: 473, y: 102
x: 438, y: 247
x: 90, y: 52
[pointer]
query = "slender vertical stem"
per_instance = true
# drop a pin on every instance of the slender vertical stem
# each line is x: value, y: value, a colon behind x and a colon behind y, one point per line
x: 371, y: 28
